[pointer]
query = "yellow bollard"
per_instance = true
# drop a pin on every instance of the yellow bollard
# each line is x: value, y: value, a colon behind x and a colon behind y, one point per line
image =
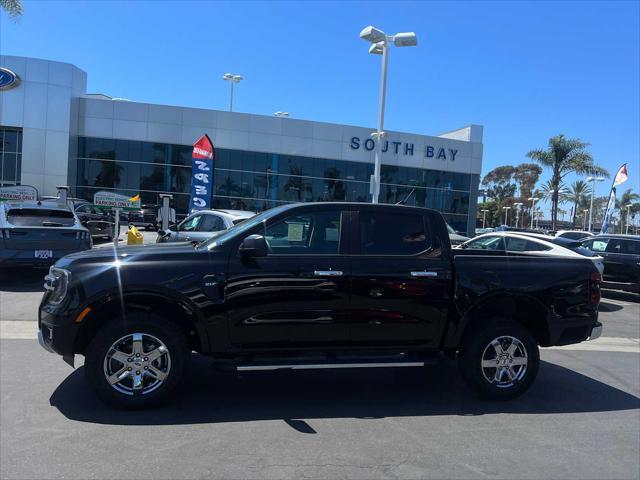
x: 134, y: 237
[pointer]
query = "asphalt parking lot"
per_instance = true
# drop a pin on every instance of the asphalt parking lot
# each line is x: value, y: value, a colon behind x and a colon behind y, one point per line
x: 581, y: 419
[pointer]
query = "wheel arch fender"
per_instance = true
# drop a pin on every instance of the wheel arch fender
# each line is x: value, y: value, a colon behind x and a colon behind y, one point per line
x: 523, y: 308
x: 112, y: 304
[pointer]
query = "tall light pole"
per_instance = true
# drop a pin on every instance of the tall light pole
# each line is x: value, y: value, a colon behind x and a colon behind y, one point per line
x: 484, y: 217
x: 533, y: 201
x: 506, y: 214
x: 281, y: 114
x: 232, y: 79
x: 517, y: 206
x: 380, y: 43
x: 628, y: 205
x: 593, y: 181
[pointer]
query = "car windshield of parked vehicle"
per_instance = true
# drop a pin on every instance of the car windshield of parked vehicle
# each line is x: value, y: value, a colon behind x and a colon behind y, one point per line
x: 392, y: 234
x: 241, y: 228
x: 35, y: 217
x: 573, y: 235
x: 485, y: 243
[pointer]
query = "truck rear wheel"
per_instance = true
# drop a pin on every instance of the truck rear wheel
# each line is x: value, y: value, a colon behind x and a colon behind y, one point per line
x: 499, y: 360
x: 137, y: 363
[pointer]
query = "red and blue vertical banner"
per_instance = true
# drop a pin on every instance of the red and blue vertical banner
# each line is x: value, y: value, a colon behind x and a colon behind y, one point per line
x: 619, y: 179
x: 201, y: 174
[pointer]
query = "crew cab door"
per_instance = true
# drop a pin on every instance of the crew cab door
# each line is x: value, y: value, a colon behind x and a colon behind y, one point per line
x: 298, y: 295
x: 401, y: 278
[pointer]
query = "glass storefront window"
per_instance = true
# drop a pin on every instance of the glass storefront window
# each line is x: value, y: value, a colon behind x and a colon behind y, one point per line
x: 260, y: 180
x: 10, y: 156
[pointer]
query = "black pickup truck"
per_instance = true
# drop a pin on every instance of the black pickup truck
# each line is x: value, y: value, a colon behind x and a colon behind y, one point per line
x: 316, y: 285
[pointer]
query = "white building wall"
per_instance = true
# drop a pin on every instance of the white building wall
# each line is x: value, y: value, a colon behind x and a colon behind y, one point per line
x: 168, y: 124
x: 41, y: 106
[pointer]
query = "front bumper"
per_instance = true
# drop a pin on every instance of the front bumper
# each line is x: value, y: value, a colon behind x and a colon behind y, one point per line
x: 596, y: 331
x: 56, y: 332
x: 44, y: 344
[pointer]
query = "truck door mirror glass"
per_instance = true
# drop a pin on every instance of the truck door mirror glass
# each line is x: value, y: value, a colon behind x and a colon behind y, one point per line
x: 254, y: 246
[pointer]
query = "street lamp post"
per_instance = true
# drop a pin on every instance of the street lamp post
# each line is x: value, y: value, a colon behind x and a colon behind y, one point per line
x: 593, y: 181
x: 484, y: 217
x: 517, y: 206
x: 232, y: 79
x: 380, y: 43
x: 628, y: 205
x: 506, y: 214
x: 281, y: 114
x: 533, y: 201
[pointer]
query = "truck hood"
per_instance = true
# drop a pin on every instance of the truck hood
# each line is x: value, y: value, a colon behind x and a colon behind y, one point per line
x: 129, y: 255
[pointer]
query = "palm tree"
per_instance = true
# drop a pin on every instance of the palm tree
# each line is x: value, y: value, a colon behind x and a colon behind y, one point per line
x: 577, y: 194
x: 563, y: 156
x: 13, y: 7
x: 628, y: 197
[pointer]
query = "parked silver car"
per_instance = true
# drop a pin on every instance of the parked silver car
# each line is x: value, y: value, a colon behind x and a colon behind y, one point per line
x: 39, y: 233
x: 203, y: 225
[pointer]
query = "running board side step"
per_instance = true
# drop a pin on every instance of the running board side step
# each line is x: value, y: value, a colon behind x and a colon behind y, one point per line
x: 317, y: 366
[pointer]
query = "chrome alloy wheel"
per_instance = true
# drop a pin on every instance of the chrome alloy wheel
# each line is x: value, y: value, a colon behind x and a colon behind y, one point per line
x: 137, y: 364
x: 504, y: 362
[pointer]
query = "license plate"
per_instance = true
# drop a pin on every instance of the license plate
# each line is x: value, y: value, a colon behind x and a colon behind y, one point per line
x: 43, y: 253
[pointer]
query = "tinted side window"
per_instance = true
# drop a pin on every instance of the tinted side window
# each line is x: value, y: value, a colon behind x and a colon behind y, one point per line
x: 211, y: 223
x: 316, y: 233
x: 630, y: 247
x: 522, y: 245
x: 392, y: 234
x: 614, y: 246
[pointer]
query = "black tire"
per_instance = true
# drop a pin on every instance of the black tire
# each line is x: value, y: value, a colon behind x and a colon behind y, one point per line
x: 476, y: 347
x: 153, y: 327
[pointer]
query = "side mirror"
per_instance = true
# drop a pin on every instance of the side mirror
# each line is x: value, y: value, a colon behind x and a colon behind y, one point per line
x: 253, y: 246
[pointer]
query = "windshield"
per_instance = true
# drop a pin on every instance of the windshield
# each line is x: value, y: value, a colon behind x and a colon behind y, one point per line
x: 37, y: 217
x: 242, y: 227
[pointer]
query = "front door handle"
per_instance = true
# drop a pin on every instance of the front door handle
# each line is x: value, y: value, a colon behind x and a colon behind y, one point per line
x: 424, y: 274
x: 327, y: 273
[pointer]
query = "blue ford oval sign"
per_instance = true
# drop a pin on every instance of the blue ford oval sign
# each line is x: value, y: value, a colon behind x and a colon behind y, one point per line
x: 8, y: 79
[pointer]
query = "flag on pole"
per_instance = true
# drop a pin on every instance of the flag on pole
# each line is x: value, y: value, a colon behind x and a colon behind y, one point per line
x: 201, y: 174
x: 619, y: 179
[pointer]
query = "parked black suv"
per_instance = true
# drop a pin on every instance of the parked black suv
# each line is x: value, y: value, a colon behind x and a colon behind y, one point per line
x: 314, y: 285
x: 621, y: 255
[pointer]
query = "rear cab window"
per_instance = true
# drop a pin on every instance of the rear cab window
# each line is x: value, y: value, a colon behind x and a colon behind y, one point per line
x: 36, y: 217
x: 386, y: 233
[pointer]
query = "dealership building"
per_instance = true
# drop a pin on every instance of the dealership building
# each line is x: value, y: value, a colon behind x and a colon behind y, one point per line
x: 52, y: 132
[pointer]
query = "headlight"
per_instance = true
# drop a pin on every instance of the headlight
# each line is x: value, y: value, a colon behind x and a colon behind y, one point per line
x: 57, y: 283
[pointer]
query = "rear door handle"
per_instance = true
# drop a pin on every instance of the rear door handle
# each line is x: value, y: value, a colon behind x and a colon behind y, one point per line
x: 327, y: 273
x: 424, y: 274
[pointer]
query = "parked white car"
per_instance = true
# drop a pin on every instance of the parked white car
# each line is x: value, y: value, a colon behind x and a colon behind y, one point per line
x: 202, y: 225
x: 573, y: 234
x: 532, y: 243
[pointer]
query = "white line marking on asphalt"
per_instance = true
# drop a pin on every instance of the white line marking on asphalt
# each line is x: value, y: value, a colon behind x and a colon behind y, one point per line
x: 604, y: 344
x: 16, y: 330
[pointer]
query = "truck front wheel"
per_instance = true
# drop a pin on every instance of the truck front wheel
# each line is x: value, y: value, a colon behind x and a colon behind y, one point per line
x: 499, y: 360
x: 137, y: 362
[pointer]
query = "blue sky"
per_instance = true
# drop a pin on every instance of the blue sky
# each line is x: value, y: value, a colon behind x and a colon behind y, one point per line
x: 524, y: 70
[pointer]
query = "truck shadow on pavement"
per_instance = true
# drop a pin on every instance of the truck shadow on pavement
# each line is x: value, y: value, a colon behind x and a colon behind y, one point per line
x: 22, y: 279
x: 209, y: 396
